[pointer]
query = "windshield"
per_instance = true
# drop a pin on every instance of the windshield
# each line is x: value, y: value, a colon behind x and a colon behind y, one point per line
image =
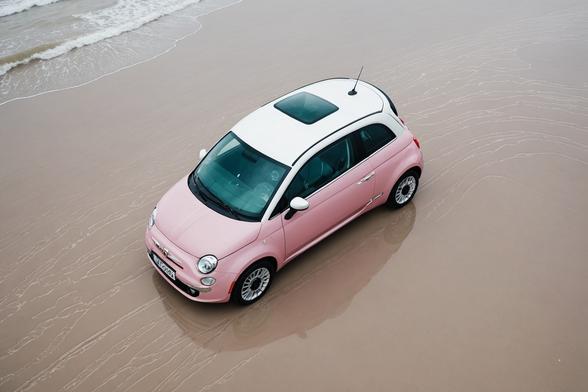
x: 236, y: 180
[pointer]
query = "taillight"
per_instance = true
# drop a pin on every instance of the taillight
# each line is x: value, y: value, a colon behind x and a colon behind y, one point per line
x: 416, y: 141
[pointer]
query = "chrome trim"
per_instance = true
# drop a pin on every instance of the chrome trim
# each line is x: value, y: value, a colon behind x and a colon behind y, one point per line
x: 366, y: 178
x: 375, y: 198
x: 167, y: 253
x: 200, y: 289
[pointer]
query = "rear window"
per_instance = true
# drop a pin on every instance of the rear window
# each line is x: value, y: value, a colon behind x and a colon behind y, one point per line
x: 305, y: 107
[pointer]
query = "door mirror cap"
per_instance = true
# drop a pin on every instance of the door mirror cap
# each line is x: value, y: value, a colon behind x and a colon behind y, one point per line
x: 299, y: 204
x: 202, y: 153
x: 296, y: 204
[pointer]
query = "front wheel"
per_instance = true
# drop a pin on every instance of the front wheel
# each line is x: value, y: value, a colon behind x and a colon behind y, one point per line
x: 253, y: 283
x: 404, y: 189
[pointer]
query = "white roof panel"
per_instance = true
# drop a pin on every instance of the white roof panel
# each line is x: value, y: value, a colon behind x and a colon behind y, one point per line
x: 284, y: 138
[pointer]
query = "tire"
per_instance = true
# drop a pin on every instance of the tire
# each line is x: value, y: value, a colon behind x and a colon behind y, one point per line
x: 258, y: 276
x: 404, y: 190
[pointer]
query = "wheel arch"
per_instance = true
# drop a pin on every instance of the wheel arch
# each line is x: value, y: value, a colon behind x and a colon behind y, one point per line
x: 243, y: 266
x: 416, y: 169
x: 408, y: 162
x: 272, y: 260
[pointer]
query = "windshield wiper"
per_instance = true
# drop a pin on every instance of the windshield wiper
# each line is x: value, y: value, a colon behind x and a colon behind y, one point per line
x: 227, y: 208
x: 205, y: 198
x: 210, y: 196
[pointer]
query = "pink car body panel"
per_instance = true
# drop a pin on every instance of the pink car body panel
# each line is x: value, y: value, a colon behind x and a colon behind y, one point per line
x: 183, y: 218
x: 343, y: 198
x: 277, y: 239
x: 392, y: 161
x: 186, y: 229
x: 189, y: 274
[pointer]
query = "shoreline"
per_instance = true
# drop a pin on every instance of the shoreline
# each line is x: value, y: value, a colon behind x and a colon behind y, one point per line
x: 34, y: 61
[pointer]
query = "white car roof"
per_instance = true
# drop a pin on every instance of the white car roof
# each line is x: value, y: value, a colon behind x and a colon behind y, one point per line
x: 284, y: 138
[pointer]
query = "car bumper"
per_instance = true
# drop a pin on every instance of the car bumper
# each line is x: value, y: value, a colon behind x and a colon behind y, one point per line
x: 186, y: 281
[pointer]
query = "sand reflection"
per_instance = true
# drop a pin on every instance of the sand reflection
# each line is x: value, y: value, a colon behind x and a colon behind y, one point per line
x: 317, y: 286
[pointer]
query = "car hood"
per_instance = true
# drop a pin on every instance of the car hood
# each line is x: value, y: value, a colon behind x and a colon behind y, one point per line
x: 199, y: 230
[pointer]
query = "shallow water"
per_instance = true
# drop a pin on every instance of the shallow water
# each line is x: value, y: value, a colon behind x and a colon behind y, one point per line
x: 50, y: 45
x: 478, y: 284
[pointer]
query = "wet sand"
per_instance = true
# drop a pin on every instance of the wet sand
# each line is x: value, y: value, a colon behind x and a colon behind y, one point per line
x: 478, y: 285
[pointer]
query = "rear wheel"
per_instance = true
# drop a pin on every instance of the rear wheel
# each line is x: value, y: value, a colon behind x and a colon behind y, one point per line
x: 404, y: 189
x: 253, y: 283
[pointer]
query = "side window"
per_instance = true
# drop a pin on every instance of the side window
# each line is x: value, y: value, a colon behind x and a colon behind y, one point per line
x: 321, y: 169
x: 372, y: 138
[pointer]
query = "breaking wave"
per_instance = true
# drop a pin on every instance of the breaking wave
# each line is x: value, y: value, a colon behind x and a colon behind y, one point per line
x: 23, y: 5
x: 124, y: 16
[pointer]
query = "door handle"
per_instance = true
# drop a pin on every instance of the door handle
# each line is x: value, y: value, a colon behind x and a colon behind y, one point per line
x: 366, y: 178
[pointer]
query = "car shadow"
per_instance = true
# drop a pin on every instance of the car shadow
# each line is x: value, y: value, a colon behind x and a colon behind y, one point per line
x: 316, y: 286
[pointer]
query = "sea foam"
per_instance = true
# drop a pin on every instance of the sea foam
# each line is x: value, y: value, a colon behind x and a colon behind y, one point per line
x: 122, y: 17
x: 10, y: 7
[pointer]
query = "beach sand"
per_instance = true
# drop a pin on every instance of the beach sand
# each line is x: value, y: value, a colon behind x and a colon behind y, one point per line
x: 480, y: 284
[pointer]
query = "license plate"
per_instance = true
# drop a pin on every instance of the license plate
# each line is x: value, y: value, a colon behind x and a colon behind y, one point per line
x: 164, y: 267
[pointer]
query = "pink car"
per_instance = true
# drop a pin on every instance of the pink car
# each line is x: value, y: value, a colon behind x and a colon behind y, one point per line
x: 285, y: 177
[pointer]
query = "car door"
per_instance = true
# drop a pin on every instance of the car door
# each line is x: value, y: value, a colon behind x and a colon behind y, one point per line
x: 337, y: 189
x: 379, y: 144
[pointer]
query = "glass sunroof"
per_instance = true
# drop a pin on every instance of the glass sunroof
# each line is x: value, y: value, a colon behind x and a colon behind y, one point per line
x: 306, y: 107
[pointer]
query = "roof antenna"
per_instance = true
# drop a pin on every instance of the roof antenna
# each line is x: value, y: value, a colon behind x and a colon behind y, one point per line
x: 353, y: 92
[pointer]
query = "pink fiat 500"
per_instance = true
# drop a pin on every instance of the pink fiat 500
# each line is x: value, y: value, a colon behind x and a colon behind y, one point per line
x: 285, y: 177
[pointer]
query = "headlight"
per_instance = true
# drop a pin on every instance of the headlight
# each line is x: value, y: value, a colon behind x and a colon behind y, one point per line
x: 207, y: 264
x: 152, y: 217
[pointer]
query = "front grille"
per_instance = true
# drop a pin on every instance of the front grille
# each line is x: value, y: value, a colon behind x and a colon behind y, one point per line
x: 178, y: 283
x: 165, y: 252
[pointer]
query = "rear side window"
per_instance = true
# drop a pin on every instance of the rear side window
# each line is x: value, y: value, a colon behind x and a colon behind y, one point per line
x: 371, y: 138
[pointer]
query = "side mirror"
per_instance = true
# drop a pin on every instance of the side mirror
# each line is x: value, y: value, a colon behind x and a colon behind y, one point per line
x: 296, y: 204
x: 202, y: 153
